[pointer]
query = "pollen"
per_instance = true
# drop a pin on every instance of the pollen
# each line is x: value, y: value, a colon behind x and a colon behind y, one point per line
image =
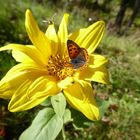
x: 59, y: 67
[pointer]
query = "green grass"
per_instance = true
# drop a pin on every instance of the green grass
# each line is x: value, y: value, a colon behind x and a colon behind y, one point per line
x: 121, y: 119
x: 123, y: 53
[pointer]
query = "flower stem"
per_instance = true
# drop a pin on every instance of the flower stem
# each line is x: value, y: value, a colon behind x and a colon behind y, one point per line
x: 63, y: 133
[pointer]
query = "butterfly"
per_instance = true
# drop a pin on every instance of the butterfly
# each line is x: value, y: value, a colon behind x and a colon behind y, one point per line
x: 78, y: 56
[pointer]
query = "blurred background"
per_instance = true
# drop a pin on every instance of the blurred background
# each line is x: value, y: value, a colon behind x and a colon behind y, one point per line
x: 120, y: 109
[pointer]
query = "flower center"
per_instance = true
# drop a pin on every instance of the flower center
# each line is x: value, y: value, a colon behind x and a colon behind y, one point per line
x: 59, y: 67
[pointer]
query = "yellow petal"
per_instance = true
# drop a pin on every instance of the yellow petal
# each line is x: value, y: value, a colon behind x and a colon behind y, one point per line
x: 63, y: 34
x: 63, y: 84
x: 37, y: 37
x: 29, y: 51
x: 52, y: 36
x: 96, y: 60
x: 20, y: 56
x: 99, y: 74
x: 90, y: 37
x: 16, y: 76
x: 31, y: 94
x: 80, y: 96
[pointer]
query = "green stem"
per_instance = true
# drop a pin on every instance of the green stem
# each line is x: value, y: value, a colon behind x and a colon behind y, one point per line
x: 63, y: 133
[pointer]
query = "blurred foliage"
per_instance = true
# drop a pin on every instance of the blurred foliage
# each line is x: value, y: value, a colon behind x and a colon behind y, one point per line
x: 119, y: 101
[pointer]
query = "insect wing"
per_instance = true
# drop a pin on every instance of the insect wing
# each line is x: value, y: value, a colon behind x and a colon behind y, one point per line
x: 80, y: 60
x: 83, y: 55
x: 78, y: 56
x: 73, y: 49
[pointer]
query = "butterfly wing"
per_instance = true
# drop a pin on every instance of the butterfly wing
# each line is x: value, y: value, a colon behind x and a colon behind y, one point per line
x: 80, y: 60
x: 73, y: 49
x: 83, y: 55
x: 78, y: 56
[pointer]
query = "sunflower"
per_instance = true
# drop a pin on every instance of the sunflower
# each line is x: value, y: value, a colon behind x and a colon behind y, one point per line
x: 45, y: 69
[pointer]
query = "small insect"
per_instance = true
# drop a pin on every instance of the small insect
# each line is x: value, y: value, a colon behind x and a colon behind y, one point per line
x: 50, y: 21
x: 78, y: 56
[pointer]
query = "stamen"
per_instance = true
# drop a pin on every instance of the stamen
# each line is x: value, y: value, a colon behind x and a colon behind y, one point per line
x: 59, y: 67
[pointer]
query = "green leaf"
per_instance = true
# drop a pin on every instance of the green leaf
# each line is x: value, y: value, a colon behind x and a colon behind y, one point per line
x: 103, y: 107
x: 59, y: 104
x: 67, y: 116
x: 45, y: 126
x: 79, y: 120
x: 47, y: 102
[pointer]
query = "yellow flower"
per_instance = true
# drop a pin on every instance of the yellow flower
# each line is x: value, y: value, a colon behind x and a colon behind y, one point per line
x: 42, y: 70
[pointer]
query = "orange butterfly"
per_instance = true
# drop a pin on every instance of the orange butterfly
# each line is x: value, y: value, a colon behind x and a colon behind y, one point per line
x: 78, y: 56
